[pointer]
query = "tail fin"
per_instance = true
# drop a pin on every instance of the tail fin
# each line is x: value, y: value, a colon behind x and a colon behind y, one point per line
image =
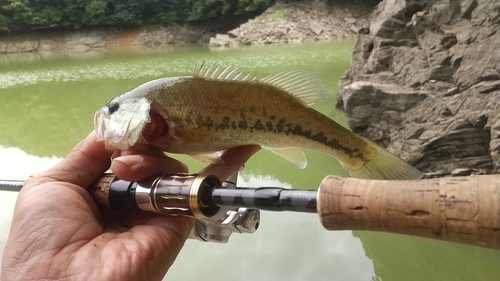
x: 384, y: 165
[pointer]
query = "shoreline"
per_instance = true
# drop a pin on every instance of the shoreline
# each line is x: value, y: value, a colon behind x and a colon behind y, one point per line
x: 281, y: 23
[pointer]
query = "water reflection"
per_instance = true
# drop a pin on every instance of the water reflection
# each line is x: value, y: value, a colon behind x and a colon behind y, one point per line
x: 47, y: 107
x: 400, y: 257
x: 16, y: 164
x: 112, y: 66
x: 287, y: 246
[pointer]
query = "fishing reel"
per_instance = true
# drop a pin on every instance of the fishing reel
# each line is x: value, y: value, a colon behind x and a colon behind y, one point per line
x: 227, y: 220
x: 179, y: 195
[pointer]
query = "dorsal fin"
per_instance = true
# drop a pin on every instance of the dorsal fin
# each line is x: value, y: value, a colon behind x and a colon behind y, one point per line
x: 220, y: 72
x: 303, y: 84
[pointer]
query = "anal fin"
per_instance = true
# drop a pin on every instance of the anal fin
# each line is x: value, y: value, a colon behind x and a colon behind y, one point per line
x: 292, y: 154
x: 208, y: 157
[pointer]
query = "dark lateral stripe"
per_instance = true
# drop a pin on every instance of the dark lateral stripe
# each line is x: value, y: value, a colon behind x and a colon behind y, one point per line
x: 282, y: 126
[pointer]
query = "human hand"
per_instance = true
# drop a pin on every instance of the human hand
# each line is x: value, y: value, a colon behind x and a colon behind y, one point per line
x: 59, y: 233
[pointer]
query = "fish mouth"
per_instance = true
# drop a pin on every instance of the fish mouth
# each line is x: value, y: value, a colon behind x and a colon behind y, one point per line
x: 124, y: 127
x: 157, y: 129
x: 107, y: 131
x: 100, y: 124
x: 117, y: 133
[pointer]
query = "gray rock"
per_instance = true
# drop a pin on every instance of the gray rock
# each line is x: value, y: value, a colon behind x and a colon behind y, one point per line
x: 316, y: 28
x: 461, y: 172
x: 220, y: 40
x: 297, y: 22
x: 350, y: 20
x: 425, y: 83
x: 79, y: 41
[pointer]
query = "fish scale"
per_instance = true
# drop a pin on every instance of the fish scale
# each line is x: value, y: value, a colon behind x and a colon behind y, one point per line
x: 235, y: 113
x: 219, y: 108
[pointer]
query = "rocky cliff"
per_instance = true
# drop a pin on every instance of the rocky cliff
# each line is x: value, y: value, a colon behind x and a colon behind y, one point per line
x: 300, y: 22
x: 424, y: 82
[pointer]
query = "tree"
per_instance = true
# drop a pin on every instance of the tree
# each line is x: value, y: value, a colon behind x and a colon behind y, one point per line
x: 49, y: 14
x: 17, y: 13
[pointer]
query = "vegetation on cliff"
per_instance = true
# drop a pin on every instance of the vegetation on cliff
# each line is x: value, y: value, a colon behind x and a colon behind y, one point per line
x: 19, y: 15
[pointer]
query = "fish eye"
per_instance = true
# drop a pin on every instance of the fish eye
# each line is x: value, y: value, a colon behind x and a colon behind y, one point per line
x: 113, y: 106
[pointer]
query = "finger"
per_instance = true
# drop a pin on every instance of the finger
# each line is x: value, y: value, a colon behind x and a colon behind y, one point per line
x: 139, y: 166
x: 136, y: 149
x: 82, y: 166
x: 234, y: 159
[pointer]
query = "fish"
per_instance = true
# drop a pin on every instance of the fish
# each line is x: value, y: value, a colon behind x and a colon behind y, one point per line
x: 220, y: 107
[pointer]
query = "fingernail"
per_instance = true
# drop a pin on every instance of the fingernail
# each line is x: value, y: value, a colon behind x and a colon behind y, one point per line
x: 129, y: 160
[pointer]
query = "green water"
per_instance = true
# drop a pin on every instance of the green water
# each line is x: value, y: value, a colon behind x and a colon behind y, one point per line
x: 47, y: 105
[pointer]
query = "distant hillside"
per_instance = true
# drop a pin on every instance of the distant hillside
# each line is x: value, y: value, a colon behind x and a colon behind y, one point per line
x: 25, y: 15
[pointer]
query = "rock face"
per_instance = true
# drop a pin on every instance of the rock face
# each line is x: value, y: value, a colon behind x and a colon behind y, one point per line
x: 100, y: 39
x: 425, y: 83
x: 178, y: 34
x: 74, y: 41
x: 298, y: 22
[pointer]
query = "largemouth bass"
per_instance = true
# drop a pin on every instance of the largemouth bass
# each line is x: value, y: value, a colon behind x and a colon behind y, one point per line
x: 219, y: 107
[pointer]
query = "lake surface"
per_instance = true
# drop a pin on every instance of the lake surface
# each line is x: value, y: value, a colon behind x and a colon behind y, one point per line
x: 47, y: 105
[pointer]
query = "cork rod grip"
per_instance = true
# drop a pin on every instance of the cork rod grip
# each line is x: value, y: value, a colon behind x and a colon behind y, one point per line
x: 459, y: 209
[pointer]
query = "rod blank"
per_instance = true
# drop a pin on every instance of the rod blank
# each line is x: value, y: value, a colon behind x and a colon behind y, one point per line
x: 266, y: 198
x: 11, y: 185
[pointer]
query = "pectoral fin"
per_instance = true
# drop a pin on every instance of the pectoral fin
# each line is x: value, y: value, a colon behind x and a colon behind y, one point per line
x: 208, y: 157
x: 292, y: 154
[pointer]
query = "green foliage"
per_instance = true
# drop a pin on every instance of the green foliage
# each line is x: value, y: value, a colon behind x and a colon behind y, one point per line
x: 46, y: 18
x: 17, y: 13
x: 252, y: 5
x: 95, y: 12
x: 3, y: 23
x: 46, y: 14
x: 278, y: 14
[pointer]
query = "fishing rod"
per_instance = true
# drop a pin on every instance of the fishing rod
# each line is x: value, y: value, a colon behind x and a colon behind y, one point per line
x: 457, y: 209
